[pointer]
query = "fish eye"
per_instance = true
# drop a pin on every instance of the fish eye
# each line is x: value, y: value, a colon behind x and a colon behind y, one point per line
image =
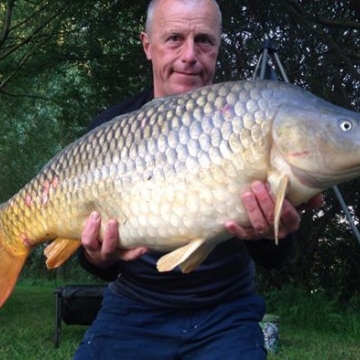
x: 345, y: 124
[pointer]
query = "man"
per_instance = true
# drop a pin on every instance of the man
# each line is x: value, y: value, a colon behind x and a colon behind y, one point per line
x: 213, y: 312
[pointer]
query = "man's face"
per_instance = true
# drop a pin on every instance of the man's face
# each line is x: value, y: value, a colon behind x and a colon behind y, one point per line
x: 183, y: 44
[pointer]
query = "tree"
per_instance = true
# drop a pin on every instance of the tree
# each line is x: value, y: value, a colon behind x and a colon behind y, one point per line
x: 53, y: 56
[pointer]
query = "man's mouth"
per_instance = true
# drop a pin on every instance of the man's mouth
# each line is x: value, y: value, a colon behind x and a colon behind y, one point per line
x: 183, y: 73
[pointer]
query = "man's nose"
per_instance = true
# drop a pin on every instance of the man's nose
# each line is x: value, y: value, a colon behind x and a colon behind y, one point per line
x: 189, y: 51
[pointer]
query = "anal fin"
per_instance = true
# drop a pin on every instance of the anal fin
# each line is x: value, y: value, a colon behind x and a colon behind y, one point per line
x: 188, y: 257
x: 59, y: 251
x: 280, y: 197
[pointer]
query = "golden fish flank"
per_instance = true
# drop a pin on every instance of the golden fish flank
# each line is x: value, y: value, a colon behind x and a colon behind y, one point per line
x: 172, y: 172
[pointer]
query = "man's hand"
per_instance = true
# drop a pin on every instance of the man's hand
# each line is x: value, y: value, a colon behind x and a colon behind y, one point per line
x: 106, y: 253
x: 260, y: 206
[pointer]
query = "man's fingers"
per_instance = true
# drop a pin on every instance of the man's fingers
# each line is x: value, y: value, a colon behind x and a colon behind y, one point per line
x: 256, y: 216
x: 105, y: 252
x: 242, y: 232
x: 111, y: 237
x: 132, y: 254
x: 290, y: 218
x: 260, y: 206
x: 264, y: 200
x: 90, y: 232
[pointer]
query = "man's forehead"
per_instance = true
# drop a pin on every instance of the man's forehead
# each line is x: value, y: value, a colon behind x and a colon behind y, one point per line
x: 198, y: 24
x: 181, y: 16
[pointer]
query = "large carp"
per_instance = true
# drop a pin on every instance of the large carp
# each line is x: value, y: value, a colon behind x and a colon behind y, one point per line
x: 172, y: 172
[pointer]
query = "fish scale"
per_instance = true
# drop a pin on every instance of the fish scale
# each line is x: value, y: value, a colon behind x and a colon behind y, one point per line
x: 172, y: 173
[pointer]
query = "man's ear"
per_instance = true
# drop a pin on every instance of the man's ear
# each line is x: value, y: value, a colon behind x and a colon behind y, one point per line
x: 144, y: 37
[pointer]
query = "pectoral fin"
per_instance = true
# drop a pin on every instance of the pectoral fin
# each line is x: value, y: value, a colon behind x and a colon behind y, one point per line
x: 188, y: 257
x: 280, y: 196
x: 59, y: 251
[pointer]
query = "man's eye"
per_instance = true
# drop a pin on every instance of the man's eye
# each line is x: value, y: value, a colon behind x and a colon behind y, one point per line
x: 204, y: 40
x: 174, y: 38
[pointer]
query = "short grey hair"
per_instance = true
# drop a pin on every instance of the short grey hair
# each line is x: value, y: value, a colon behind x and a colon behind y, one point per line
x: 154, y: 3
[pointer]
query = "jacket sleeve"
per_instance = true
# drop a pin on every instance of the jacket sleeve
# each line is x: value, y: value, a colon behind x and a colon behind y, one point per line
x: 107, y: 274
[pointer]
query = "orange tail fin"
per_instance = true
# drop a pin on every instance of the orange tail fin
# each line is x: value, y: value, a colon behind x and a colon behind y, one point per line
x: 10, y: 268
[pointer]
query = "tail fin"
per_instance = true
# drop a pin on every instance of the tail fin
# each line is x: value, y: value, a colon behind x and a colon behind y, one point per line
x: 10, y: 268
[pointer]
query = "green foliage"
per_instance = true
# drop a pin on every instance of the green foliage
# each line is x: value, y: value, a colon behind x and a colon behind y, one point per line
x: 35, y: 271
x: 314, y: 310
x: 314, y: 325
x: 68, y: 69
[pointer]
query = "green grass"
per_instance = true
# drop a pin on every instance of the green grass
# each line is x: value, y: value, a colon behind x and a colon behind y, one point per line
x: 27, y: 322
x: 303, y: 343
x: 311, y: 327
